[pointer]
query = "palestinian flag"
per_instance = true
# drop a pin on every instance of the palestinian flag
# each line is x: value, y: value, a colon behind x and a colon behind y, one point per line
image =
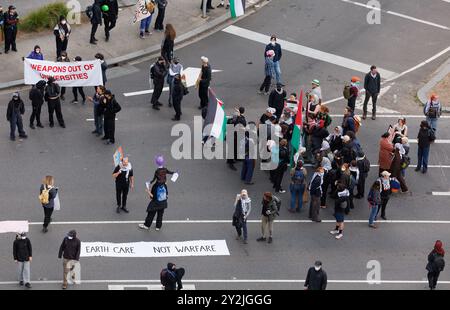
x: 237, y: 8
x: 216, y: 118
x: 296, y: 135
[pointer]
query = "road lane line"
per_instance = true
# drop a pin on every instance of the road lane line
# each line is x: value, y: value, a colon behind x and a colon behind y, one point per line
x: 397, y: 116
x: 440, y: 193
x: 306, y: 51
x: 397, y: 14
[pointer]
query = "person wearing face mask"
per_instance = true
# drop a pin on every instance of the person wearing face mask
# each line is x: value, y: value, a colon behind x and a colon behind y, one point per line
x: 37, y: 100
x: 109, y: 108
x: 10, y: 21
x: 69, y: 250
x: 158, y: 72
x: 243, y: 207
x: 36, y: 54
x: 23, y: 255
x: 315, y: 191
x: 14, y: 113
x: 123, y: 174
x: 316, y: 279
x: 174, y: 68
x: 62, y: 32
x: 274, y: 46
x: 433, y: 111
x: 63, y: 58
x: 372, y: 85
x: 276, y: 100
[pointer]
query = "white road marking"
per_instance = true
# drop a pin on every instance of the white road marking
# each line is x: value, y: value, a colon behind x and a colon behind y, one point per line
x: 360, y: 102
x: 91, y: 119
x: 191, y: 78
x: 306, y: 51
x: 398, y: 14
x: 249, y: 221
x: 448, y: 1
x: 156, y: 287
x: 440, y: 193
x: 438, y: 141
x: 396, y: 116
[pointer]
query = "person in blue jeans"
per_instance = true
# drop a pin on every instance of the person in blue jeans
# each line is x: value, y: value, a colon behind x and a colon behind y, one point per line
x: 243, y: 207
x: 374, y: 199
x: 276, y: 47
x: 297, y: 187
x: 424, y: 139
x: 144, y: 29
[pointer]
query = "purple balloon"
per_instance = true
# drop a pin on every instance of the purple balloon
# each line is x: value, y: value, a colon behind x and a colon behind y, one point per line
x: 159, y: 160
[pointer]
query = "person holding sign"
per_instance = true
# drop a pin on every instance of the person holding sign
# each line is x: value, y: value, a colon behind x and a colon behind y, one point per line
x: 123, y: 174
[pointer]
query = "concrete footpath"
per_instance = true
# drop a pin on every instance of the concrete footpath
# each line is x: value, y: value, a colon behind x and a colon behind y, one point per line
x: 437, y: 77
x: 124, y: 44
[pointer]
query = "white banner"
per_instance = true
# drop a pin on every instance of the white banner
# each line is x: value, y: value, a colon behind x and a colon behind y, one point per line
x: 13, y: 226
x: 70, y: 74
x: 155, y: 249
x: 141, y: 12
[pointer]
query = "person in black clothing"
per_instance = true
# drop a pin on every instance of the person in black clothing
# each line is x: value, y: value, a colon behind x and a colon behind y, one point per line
x: 37, y: 100
x: 23, y: 255
x: 282, y: 166
x: 158, y: 202
x: 96, y: 20
x: 203, y: 82
x: 63, y: 58
x: 10, y: 21
x: 276, y: 100
x: 62, y: 32
x: 158, y: 72
x: 171, y: 277
x: 159, y: 23
x: 177, y: 96
x: 168, y: 43
x: 104, y: 66
x: 52, y: 94
x: 316, y: 278
x: 48, y: 184
x: 276, y: 47
x: 364, y: 167
x: 14, y: 113
x: 123, y: 174
x: 372, y: 85
x: 238, y: 119
x: 424, y: 139
x: 435, y: 264
x: 110, y: 107
x: 78, y: 89
x: 110, y: 16
x: 70, y: 250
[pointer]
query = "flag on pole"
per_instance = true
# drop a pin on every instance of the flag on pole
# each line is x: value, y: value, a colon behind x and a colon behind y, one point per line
x: 296, y: 135
x: 215, y: 118
x: 237, y: 8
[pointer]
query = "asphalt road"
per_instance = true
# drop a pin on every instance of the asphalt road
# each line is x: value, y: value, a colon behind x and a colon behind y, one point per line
x: 82, y: 165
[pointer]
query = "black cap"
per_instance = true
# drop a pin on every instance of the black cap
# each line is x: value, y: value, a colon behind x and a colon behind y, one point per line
x: 78, y: 58
x: 242, y: 110
x: 318, y: 263
x: 72, y: 233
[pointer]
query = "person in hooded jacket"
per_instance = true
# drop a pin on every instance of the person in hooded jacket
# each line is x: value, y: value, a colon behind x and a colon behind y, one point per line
x: 177, y: 96
x: 48, y: 183
x: 62, y: 32
x: 276, y: 100
x: 36, y: 96
x: 243, y: 207
x: 171, y: 277
x: 36, y: 53
x: 110, y: 107
x: 110, y: 16
x: 282, y: 166
x: 158, y: 72
x: 51, y: 95
x: 316, y: 279
x: 435, y: 264
x: 69, y: 250
x: 23, y: 255
x: 363, y: 165
x: 14, y: 113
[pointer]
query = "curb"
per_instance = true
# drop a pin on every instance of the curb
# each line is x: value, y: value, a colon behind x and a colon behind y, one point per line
x: 215, y: 23
x: 437, y: 76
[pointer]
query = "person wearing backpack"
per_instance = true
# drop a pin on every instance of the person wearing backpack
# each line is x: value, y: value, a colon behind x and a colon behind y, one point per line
x: 110, y: 107
x: 52, y: 95
x: 94, y: 13
x: 36, y: 96
x: 343, y: 195
x: 242, y: 209
x: 435, y: 264
x: 297, y: 186
x: 171, y: 276
x: 433, y: 111
x: 270, y: 210
x: 315, y: 192
x: 424, y: 138
x: 158, y: 203
x: 374, y: 199
x: 351, y: 92
x: 123, y: 175
x: 372, y: 85
x: 161, y: 172
x: 14, y: 113
x: 47, y: 195
x: 363, y: 165
x: 23, y: 255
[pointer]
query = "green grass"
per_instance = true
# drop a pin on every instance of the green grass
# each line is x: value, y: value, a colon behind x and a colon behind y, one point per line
x: 43, y: 18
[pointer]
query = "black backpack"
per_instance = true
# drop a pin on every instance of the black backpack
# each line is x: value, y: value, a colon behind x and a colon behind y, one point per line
x: 431, y: 135
x: 366, y: 165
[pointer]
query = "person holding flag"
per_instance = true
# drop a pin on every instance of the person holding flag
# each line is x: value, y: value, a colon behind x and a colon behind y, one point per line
x: 297, y: 134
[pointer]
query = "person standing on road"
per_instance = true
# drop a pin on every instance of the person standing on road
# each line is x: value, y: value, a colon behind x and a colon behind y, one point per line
x: 276, y: 47
x: 47, y: 195
x: 353, y: 92
x: 315, y: 90
x: 270, y: 210
x: 386, y: 153
x: 23, y: 255
x: 297, y: 187
x: 110, y: 16
x: 203, y: 82
x: 159, y: 23
x: 385, y: 187
x: 396, y: 168
x: 240, y: 122
x: 433, y: 111
x: 348, y: 122
x: 435, y: 264
x: 36, y: 96
x: 374, y: 199
x: 36, y: 53
x: 315, y: 192
x: 144, y: 28
x: 424, y: 138
x: 177, y: 96
x: 276, y: 100
x: 69, y: 250
x: 158, y: 72
x: 316, y: 279
x: 372, y: 85
x: 63, y: 58
x: 174, y: 68
x: 10, y: 21
x: 161, y: 172
x: 123, y: 174
x: 110, y: 107
x: 98, y: 113
x: 78, y: 89
x: 104, y: 66
x: 52, y: 94
x: 268, y: 72
x: 16, y: 109
x: 62, y: 32
x: 283, y: 161
x: 96, y: 20
x: 343, y: 195
x: 171, y: 277
x: 158, y: 203
x: 363, y: 165
x: 243, y: 207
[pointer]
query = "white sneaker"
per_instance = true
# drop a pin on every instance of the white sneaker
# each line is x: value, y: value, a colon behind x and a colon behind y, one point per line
x: 339, y: 236
x: 157, y: 229
x: 142, y: 226
x: 334, y: 232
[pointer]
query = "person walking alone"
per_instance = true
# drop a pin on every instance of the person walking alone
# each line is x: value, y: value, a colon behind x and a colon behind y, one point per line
x: 62, y: 32
x: 47, y: 195
x: 316, y: 279
x: 123, y: 174
x: 243, y: 207
x: 435, y: 264
x: 10, y: 22
x: 69, y: 250
x: 372, y: 85
x: 14, y: 113
x: 23, y: 255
